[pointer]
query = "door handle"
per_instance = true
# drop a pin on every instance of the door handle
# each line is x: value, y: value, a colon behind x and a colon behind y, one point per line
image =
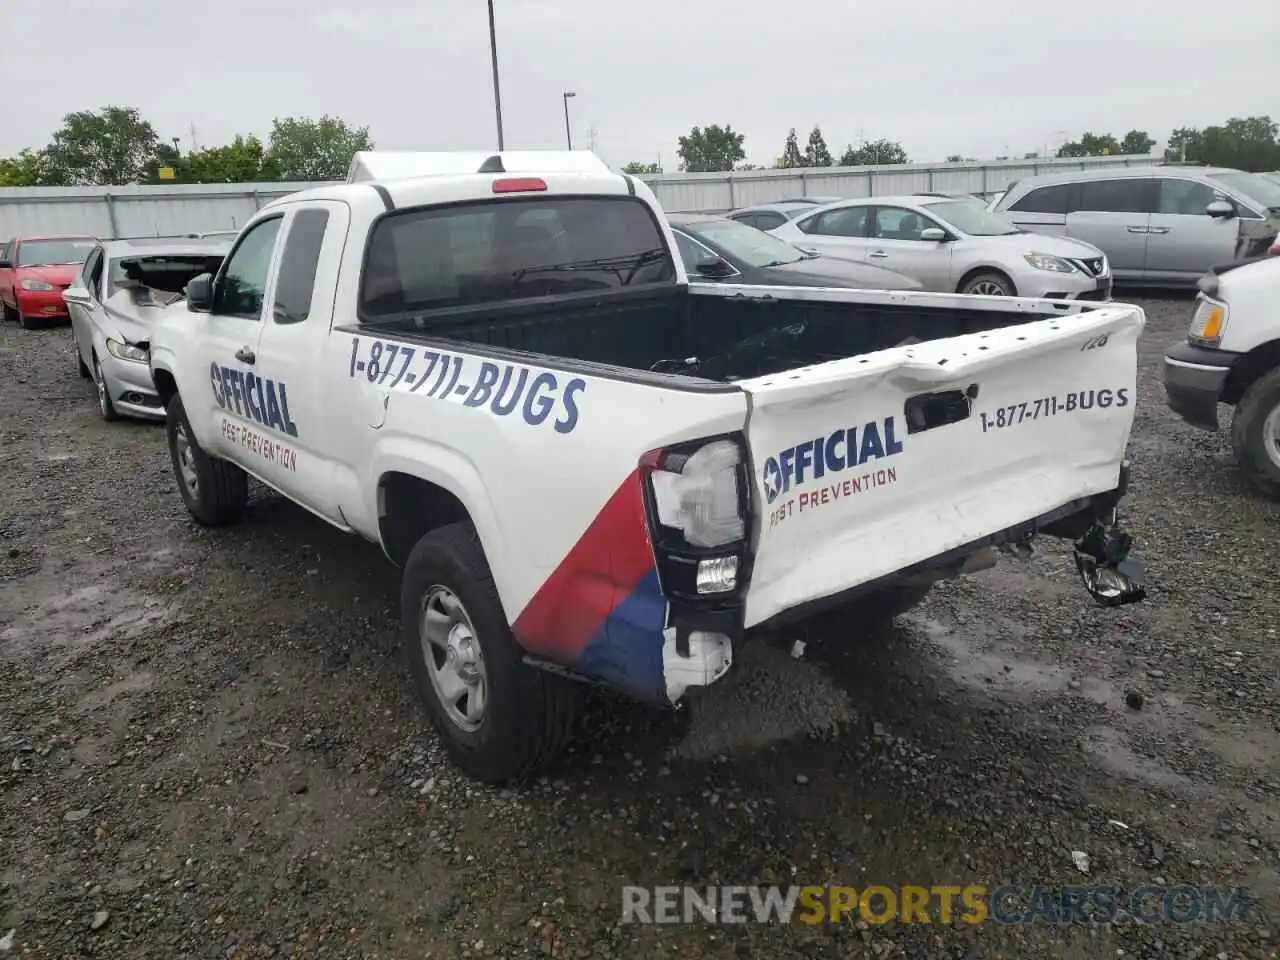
x: 878, y: 254
x: 1158, y: 229
x: 1138, y: 229
x: 245, y: 355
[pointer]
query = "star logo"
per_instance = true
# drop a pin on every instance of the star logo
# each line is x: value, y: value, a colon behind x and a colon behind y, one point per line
x: 772, y: 480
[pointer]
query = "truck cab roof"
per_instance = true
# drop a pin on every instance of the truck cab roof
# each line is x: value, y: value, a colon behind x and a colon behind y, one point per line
x: 409, y: 179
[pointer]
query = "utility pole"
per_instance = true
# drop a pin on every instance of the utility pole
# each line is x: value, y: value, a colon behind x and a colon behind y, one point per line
x: 497, y: 94
x: 568, y: 134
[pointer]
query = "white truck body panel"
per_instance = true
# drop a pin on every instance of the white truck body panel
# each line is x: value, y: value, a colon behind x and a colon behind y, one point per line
x: 545, y: 453
x: 1251, y: 294
x: 1042, y: 431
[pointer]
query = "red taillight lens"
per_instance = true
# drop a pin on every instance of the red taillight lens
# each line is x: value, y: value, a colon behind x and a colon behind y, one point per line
x: 1275, y: 250
x: 519, y: 185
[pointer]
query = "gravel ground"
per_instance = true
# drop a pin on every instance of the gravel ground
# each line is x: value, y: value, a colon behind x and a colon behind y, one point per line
x: 209, y: 748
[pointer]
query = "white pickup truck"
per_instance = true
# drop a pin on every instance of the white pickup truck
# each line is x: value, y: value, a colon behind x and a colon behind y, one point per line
x: 589, y: 468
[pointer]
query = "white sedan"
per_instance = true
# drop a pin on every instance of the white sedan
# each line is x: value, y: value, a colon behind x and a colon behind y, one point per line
x: 953, y: 244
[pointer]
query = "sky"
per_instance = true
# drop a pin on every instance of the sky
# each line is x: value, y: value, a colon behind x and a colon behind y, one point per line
x: 980, y: 78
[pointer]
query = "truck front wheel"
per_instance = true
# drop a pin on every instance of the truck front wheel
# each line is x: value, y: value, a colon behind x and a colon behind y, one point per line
x: 1255, y: 434
x: 500, y: 718
x: 214, y: 490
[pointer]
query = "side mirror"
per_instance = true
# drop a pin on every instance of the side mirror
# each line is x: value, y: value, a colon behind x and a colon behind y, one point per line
x: 933, y: 234
x: 715, y: 269
x: 1221, y: 209
x: 200, y: 294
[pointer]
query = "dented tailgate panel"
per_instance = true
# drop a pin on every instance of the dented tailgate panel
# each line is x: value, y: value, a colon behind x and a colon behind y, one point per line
x: 868, y: 465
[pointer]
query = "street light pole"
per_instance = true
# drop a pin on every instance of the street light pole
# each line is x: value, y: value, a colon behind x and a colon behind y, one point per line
x: 568, y: 136
x: 497, y: 95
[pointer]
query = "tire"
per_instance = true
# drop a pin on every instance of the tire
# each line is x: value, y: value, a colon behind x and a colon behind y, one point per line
x: 870, y: 613
x: 105, y: 406
x: 1255, y: 434
x: 220, y: 490
x: 526, y: 714
x: 10, y: 314
x: 26, y: 323
x: 989, y: 284
x: 85, y: 372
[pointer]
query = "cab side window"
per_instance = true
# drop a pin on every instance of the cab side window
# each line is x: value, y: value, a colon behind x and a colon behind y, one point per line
x: 243, y: 284
x: 1185, y: 197
x: 844, y: 222
x: 93, y: 273
x: 298, y: 264
x: 1051, y: 199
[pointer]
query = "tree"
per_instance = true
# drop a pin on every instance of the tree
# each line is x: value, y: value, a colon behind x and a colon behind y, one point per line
x: 816, y: 153
x: 791, y: 156
x: 304, y: 149
x: 1246, y: 143
x: 243, y: 160
x: 1090, y: 145
x: 874, y: 153
x: 20, y: 171
x: 112, y: 146
x: 712, y: 150
x: 641, y: 169
x: 1136, y: 142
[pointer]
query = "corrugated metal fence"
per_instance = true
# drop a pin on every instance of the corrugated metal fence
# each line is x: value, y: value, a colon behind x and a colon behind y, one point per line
x: 167, y: 209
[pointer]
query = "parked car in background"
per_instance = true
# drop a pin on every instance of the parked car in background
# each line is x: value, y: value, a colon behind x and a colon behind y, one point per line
x: 717, y: 248
x: 766, y: 216
x: 1157, y: 225
x: 951, y: 244
x: 1232, y: 355
x: 122, y: 287
x: 33, y: 273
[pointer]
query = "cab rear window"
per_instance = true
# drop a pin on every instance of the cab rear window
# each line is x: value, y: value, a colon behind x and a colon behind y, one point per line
x: 491, y: 251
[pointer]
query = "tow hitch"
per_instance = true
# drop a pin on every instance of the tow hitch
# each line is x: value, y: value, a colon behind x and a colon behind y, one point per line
x: 1110, y: 575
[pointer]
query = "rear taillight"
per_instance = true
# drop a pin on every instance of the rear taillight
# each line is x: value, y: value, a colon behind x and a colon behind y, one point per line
x: 696, y: 501
x: 519, y: 185
x: 1275, y: 249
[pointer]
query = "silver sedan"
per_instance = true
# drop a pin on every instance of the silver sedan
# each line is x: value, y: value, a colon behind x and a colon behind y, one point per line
x: 120, y: 289
x: 953, y: 244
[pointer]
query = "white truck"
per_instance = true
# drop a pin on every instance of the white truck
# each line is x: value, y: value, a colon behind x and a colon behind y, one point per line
x: 1232, y: 355
x: 589, y: 468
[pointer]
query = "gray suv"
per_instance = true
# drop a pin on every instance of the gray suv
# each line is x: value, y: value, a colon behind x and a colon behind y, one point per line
x: 1164, y: 225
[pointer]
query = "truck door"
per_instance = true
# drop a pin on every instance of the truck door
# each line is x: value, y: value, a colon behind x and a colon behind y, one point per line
x: 238, y: 404
x: 291, y: 353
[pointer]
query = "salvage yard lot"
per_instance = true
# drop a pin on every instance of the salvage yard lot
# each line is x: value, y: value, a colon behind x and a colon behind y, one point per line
x: 210, y: 748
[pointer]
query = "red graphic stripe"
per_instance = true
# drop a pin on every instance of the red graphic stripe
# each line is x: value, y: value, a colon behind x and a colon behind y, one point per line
x: 596, y: 576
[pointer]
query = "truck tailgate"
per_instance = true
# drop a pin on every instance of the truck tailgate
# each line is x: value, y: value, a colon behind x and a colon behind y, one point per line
x: 867, y: 465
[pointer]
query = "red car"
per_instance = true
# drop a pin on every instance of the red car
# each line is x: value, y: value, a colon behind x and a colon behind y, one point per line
x: 35, y: 270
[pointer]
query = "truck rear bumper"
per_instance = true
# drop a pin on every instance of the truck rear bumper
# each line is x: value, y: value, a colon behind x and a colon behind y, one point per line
x: 1074, y: 521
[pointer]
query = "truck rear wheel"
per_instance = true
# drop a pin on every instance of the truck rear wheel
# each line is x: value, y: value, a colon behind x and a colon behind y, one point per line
x: 500, y: 719
x: 214, y: 490
x: 1255, y: 434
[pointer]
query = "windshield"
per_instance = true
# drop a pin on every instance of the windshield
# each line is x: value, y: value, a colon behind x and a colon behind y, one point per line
x: 972, y: 217
x: 1252, y: 186
x: 746, y: 244
x: 42, y: 253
